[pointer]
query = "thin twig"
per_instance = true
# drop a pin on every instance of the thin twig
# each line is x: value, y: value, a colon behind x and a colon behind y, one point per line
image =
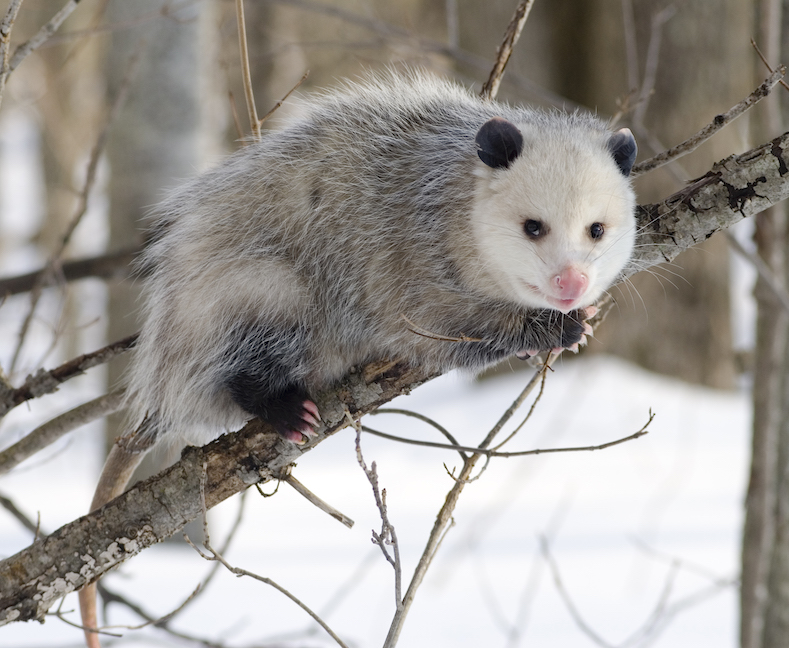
x: 692, y: 143
x: 444, y: 517
x: 528, y: 414
x: 651, y: 63
x: 278, y: 105
x: 420, y: 417
x: 388, y: 536
x: 396, y: 34
x: 521, y: 453
x: 766, y: 63
x: 418, y: 330
x: 54, y: 429
x: 110, y: 264
x: 215, y: 555
x: 311, y: 497
x: 491, y: 87
x: 42, y: 35
x: 246, y: 75
x: 46, y: 382
x: 34, y: 528
x: 6, y: 25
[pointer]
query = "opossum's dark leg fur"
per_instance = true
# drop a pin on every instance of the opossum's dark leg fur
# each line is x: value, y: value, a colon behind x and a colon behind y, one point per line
x: 264, y: 378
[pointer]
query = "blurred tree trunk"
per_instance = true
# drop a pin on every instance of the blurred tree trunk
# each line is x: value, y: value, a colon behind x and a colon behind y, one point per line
x: 764, y: 602
x: 154, y: 141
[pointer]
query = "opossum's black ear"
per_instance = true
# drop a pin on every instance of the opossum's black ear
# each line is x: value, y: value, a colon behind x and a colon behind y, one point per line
x: 623, y: 147
x: 499, y: 142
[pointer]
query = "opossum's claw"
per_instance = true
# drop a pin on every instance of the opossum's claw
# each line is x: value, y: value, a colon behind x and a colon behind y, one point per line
x: 305, y: 428
x: 311, y: 408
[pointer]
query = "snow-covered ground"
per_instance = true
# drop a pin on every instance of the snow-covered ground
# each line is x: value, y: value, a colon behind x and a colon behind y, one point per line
x: 652, y: 524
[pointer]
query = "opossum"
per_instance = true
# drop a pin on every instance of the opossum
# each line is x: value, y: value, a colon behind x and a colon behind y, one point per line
x: 400, y: 218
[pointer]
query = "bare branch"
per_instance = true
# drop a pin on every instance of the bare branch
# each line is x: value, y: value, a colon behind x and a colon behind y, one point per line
x: 6, y: 25
x: 311, y: 497
x: 766, y: 63
x: 692, y: 143
x: 735, y: 188
x: 395, y: 33
x: 112, y: 264
x: 490, y: 89
x: 46, y: 382
x: 278, y: 105
x: 520, y: 453
x: 217, y: 556
x: 51, y: 431
x: 8, y: 504
x: 42, y: 35
x: 761, y: 268
x: 387, y: 537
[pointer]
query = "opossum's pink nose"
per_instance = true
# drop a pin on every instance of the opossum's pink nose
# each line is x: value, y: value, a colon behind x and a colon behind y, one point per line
x: 571, y: 283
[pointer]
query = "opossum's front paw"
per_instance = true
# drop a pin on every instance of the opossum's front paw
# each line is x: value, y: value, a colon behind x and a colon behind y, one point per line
x: 562, y: 331
x: 580, y: 318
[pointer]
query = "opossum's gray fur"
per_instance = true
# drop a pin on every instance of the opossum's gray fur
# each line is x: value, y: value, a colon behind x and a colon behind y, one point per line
x: 327, y: 243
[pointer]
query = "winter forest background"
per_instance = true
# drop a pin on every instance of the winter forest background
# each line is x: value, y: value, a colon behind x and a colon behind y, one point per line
x: 676, y: 539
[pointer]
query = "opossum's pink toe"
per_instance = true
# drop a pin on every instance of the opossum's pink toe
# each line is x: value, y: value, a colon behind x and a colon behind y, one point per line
x: 525, y: 354
x: 307, y: 430
x: 295, y: 436
x: 312, y: 408
x: 588, y: 330
x: 590, y: 311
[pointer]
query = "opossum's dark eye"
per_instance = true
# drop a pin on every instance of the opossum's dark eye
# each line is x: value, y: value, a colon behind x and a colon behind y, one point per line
x: 534, y: 228
x: 596, y: 230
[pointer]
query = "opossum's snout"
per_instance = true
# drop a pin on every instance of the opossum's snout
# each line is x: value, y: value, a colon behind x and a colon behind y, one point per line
x: 570, y: 284
x: 569, y: 288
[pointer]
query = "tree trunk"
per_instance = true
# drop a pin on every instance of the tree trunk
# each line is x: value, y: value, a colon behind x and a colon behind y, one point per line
x: 764, y: 595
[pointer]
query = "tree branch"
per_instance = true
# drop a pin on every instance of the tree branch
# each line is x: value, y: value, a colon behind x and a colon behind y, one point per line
x: 104, y: 266
x: 82, y: 551
x: 46, y: 382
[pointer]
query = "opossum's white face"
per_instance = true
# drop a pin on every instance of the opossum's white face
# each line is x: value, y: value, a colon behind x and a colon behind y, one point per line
x: 555, y: 226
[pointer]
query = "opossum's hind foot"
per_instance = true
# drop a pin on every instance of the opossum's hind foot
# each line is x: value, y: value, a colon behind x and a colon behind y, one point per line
x: 290, y: 411
x: 309, y: 419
